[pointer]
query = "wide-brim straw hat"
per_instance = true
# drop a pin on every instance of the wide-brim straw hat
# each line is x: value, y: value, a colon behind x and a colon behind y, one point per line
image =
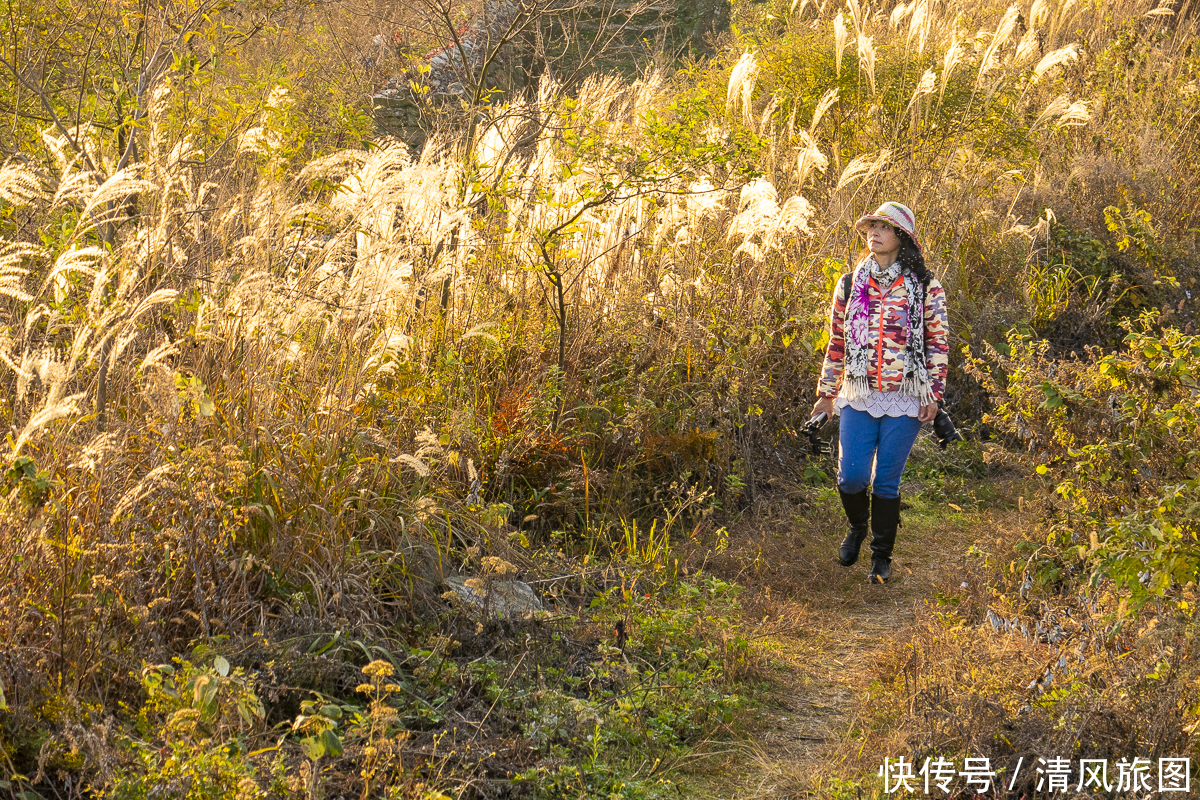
x: 895, y: 214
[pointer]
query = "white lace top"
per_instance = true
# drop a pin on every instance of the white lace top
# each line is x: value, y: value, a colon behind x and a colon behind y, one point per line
x: 882, y: 404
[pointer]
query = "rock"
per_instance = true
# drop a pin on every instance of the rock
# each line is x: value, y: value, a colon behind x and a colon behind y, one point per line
x: 496, y: 598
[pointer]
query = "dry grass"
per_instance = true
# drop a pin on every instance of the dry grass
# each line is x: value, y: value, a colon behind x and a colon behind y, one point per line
x: 272, y: 394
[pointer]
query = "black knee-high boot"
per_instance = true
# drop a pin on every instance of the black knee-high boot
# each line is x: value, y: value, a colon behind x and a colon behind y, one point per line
x: 885, y: 518
x: 858, y: 513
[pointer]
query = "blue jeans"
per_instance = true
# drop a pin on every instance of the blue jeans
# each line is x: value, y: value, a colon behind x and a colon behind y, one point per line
x: 886, y: 441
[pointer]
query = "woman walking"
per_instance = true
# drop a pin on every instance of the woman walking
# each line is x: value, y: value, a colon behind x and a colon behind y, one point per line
x: 885, y: 371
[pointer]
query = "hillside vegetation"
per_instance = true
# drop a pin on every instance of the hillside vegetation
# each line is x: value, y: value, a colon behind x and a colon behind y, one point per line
x: 269, y: 380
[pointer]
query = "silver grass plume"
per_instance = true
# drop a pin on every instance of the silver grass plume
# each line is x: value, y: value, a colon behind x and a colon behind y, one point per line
x: 809, y: 158
x: 73, y: 187
x: 866, y: 59
x: 746, y: 248
x: 494, y: 142
x: 336, y: 166
x: 390, y: 346
x: 55, y: 408
x: 1052, y: 111
x: 841, y: 40
x: 1027, y: 48
x: 823, y: 105
x: 482, y: 331
x: 953, y: 57
x: 1039, y: 13
x: 264, y: 139
x: 757, y: 205
x: 20, y: 185
x: 1064, y: 16
x: 13, y: 255
x: 863, y: 167
x: 128, y: 329
x: 1040, y: 230
x: 925, y: 86
x: 670, y: 224
x: 1078, y: 113
x: 82, y: 260
x: 141, y: 490
x: 647, y: 92
x: 156, y: 113
x: 704, y: 200
x: 158, y: 355
x: 602, y: 94
x: 760, y: 215
x: 1055, y: 58
x: 856, y: 16
x: 1004, y: 31
x: 105, y: 205
x: 66, y: 157
x: 767, y: 116
x: 792, y: 220
x: 741, y: 86
x: 414, y: 463
x: 920, y: 22
x: 97, y: 450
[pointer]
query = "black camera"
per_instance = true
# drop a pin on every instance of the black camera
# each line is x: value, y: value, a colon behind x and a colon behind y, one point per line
x: 812, y: 431
x: 943, y: 427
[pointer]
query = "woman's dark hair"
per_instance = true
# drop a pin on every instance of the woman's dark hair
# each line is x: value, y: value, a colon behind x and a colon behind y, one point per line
x: 910, y: 257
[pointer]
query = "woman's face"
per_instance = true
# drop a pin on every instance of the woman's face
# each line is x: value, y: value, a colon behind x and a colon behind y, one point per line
x: 882, y: 240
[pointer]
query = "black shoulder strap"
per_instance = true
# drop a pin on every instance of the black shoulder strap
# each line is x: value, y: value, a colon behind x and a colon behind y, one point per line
x: 847, y: 279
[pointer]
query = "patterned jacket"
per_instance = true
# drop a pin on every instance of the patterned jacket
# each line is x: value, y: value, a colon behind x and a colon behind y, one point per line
x: 887, y: 336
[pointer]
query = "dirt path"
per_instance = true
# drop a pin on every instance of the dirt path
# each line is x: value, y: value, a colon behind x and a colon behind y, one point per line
x: 825, y: 630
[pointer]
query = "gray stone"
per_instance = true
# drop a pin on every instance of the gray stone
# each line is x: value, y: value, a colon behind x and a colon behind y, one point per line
x: 491, y: 597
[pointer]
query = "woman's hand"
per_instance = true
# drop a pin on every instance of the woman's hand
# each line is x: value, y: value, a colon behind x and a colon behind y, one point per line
x: 928, y: 412
x: 824, y: 404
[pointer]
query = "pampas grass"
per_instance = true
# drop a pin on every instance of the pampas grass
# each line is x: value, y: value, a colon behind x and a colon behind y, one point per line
x: 1060, y: 57
x: 20, y: 185
x: 1078, y: 113
x: 823, y: 105
x: 866, y: 59
x: 809, y: 159
x: 953, y: 57
x: 990, y: 61
x: 1056, y: 108
x: 841, y: 40
x: 864, y: 167
x: 741, y: 87
x: 921, y: 21
x: 1039, y: 13
x: 925, y: 86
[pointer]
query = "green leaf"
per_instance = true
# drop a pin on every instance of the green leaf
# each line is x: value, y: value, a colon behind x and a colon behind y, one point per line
x: 331, y: 743
x: 221, y: 666
x: 313, y: 747
x: 249, y: 709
